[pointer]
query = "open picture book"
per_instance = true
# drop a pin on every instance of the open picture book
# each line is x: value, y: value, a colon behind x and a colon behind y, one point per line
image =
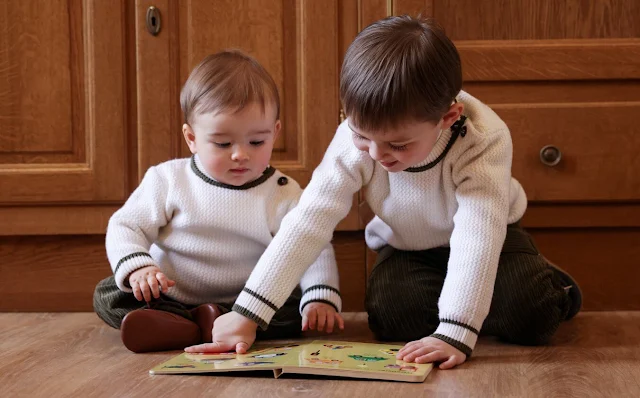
x: 326, y: 358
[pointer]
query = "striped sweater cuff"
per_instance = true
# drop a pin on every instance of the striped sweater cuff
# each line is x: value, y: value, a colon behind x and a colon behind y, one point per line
x: 127, y: 265
x: 322, y: 294
x: 255, y: 307
x: 457, y: 334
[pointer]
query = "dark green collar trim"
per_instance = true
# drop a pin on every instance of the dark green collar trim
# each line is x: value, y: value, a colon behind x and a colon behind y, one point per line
x: 264, y: 177
x: 458, y: 129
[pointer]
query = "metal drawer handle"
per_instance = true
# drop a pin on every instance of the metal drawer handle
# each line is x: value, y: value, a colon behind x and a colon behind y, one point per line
x: 550, y: 155
x: 153, y: 20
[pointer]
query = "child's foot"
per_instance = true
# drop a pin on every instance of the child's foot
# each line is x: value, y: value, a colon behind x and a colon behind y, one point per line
x: 204, y: 315
x: 147, y: 330
x: 571, y: 287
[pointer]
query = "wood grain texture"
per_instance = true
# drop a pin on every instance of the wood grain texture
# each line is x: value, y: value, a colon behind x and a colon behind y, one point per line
x: 296, y: 41
x: 414, y: 8
x: 538, y: 19
x: 35, y: 67
x: 157, y: 100
x: 370, y: 11
x: 603, y: 261
x: 599, y: 151
x: 594, y: 355
x: 581, y: 215
x: 95, y: 45
x: 55, y: 220
x: 59, y: 273
x: 499, y: 60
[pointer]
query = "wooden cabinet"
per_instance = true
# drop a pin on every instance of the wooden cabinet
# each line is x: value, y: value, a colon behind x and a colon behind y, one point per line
x: 89, y: 99
x: 63, y: 114
x: 296, y: 41
x: 565, y: 76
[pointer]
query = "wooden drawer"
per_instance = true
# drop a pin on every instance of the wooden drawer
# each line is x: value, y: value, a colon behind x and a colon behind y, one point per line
x: 599, y: 146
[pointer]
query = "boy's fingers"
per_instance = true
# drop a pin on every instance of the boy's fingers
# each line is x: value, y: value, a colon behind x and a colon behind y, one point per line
x: 162, y: 279
x: 313, y: 316
x: 450, y: 363
x: 322, y: 319
x: 171, y: 282
x: 409, y: 347
x: 330, y: 323
x: 305, y: 322
x: 146, y: 293
x: 153, y: 285
x: 340, y: 321
x: 242, y: 347
x: 418, y: 352
x: 430, y: 357
x: 211, y: 347
x: 136, y: 290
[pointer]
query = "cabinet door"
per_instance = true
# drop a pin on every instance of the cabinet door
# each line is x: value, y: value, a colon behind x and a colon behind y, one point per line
x: 295, y: 40
x: 62, y: 104
x: 564, y: 76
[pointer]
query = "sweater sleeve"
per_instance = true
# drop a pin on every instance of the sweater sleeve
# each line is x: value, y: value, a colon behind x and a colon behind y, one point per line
x: 482, y: 176
x: 320, y: 283
x: 306, y: 230
x: 134, y: 227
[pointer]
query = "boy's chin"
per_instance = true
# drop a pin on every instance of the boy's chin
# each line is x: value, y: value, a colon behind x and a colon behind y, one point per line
x: 396, y: 168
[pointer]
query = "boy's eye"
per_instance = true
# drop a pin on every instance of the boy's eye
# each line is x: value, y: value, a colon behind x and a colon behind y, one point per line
x: 398, y: 147
x: 358, y: 136
x: 222, y: 144
x: 257, y: 143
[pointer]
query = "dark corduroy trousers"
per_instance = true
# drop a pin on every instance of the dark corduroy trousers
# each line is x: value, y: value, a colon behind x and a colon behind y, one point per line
x: 529, y: 301
x: 111, y: 304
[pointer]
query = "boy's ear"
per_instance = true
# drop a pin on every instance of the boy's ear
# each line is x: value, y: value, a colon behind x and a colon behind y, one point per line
x: 189, y: 137
x: 276, y: 129
x: 452, y: 115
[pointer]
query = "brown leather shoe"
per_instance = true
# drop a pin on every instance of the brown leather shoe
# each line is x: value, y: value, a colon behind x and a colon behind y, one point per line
x: 147, y: 330
x: 204, y: 315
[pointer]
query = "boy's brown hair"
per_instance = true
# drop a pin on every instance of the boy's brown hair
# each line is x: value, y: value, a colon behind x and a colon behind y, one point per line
x: 399, y: 69
x: 227, y: 81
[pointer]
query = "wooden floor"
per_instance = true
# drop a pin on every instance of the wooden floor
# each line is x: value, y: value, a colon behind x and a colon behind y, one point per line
x: 74, y: 354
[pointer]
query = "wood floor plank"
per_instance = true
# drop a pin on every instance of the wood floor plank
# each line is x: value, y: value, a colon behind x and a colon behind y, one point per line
x: 75, y: 354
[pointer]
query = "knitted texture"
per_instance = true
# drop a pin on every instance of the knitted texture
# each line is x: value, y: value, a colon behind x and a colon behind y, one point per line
x: 465, y: 201
x: 206, y: 236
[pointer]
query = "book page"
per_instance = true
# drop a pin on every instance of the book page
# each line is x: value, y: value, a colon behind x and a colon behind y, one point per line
x: 259, y: 357
x: 358, y: 357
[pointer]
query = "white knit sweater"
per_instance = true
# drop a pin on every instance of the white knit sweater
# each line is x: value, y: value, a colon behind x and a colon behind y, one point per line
x: 208, y: 236
x: 464, y: 201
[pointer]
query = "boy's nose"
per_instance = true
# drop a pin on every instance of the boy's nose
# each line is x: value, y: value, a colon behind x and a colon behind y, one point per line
x: 375, y: 152
x: 239, y: 155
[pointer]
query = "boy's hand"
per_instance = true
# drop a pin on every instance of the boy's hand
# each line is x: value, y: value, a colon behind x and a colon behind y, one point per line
x: 430, y: 349
x: 321, y: 314
x: 231, y: 331
x: 149, y: 281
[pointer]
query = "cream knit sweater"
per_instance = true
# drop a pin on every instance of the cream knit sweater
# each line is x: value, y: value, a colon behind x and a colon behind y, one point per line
x: 208, y: 236
x: 465, y: 201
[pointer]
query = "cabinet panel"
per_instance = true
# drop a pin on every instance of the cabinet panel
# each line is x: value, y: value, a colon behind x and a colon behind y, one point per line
x: 62, y: 102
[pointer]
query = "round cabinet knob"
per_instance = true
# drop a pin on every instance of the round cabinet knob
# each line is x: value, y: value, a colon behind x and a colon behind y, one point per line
x: 550, y: 155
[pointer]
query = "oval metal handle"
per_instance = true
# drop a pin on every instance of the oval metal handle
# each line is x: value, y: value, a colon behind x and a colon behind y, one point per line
x: 153, y: 20
x: 550, y: 155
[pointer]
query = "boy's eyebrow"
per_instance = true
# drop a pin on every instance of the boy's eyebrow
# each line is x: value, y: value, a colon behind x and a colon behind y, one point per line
x: 399, y: 142
x: 261, y: 132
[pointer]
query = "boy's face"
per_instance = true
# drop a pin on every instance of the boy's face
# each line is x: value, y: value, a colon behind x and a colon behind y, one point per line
x: 406, y: 146
x: 234, y: 148
x: 400, y: 148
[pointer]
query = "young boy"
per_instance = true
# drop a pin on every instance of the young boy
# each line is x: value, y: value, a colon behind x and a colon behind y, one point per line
x: 435, y: 163
x: 187, y: 239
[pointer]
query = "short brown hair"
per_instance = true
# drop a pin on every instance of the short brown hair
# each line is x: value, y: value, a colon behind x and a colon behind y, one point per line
x: 397, y: 69
x: 227, y: 81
